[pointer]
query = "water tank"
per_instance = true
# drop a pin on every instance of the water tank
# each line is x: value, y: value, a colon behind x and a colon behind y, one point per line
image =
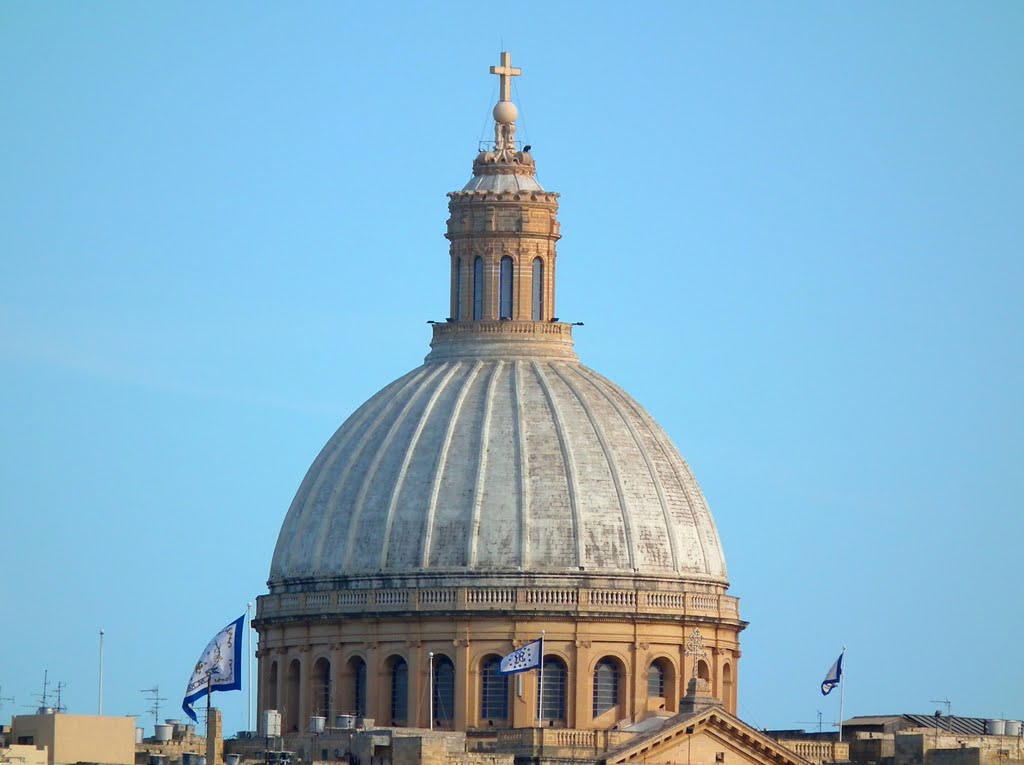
x: 188, y: 758
x: 316, y: 724
x: 162, y: 733
x: 347, y: 722
x: 232, y: 759
x: 1013, y: 727
x: 200, y: 759
x: 140, y: 734
x: 157, y: 759
x: 996, y: 727
x: 270, y: 722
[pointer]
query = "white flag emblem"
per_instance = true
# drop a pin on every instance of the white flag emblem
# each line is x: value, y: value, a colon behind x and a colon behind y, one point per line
x: 218, y: 669
x: 522, y: 659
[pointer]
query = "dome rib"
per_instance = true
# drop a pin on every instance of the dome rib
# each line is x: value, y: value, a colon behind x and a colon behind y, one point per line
x: 524, y: 465
x: 410, y: 451
x: 602, y: 439
x: 659, y: 487
x: 378, y: 457
x: 442, y: 460
x: 569, y: 463
x: 672, y: 458
x: 307, y: 506
x: 473, y: 532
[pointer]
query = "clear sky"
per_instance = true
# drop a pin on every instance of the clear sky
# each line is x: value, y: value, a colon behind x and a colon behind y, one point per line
x: 794, y: 232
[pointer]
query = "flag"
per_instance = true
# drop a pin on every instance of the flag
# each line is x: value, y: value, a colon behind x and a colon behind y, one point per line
x: 219, y: 668
x: 523, y: 659
x: 834, y: 676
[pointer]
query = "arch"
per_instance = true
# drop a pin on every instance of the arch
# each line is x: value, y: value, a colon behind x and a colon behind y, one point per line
x: 457, y: 289
x: 538, y: 290
x: 444, y: 691
x: 656, y: 680
x: 398, y: 673
x: 661, y: 685
x: 505, y: 288
x: 270, y: 700
x: 291, y: 702
x: 478, y: 288
x: 551, y: 698
x: 493, y: 690
x: 703, y: 672
x: 607, y: 679
x: 356, y: 670
x: 322, y: 691
x: 727, y: 685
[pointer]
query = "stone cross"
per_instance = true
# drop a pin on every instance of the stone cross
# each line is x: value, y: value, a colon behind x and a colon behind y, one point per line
x: 695, y: 648
x: 506, y: 72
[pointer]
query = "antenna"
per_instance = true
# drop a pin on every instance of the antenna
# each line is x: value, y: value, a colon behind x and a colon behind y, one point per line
x: 949, y: 719
x: 5, y: 698
x: 43, y: 697
x: 60, y: 708
x: 818, y: 723
x: 154, y: 698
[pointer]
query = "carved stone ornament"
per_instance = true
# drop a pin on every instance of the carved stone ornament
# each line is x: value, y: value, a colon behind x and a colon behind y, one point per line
x: 461, y: 642
x: 583, y: 644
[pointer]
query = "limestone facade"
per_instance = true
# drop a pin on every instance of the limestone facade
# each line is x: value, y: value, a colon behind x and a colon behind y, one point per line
x: 78, y: 738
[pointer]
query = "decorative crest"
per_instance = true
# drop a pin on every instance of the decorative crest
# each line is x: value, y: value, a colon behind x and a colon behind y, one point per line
x: 695, y: 648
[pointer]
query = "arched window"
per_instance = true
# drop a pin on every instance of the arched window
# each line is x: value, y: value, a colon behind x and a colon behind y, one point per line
x: 322, y: 688
x: 399, y: 691
x: 357, y: 669
x: 444, y: 690
x: 270, y: 700
x: 702, y: 671
x: 553, y: 693
x: 727, y: 685
x: 458, y: 289
x: 478, y: 288
x: 606, y: 686
x: 493, y: 691
x: 291, y: 703
x: 656, y: 680
x: 505, y: 288
x: 538, y: 289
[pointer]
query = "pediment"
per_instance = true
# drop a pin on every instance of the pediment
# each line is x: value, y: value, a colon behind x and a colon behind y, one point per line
x: 708, y: 737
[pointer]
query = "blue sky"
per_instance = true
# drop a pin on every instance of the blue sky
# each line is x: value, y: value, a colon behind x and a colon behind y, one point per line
x: 794, y: 232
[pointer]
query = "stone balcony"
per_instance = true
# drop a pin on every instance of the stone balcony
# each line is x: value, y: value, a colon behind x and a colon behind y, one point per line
x: 519, y: 600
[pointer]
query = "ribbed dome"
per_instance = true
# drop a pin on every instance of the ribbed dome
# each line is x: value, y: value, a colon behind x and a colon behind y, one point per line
x: 474, y: 467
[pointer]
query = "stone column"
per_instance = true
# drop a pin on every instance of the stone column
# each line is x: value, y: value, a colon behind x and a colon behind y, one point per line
x: 416, y: 699
x: 580, y: 715
x: 462, y: 687
x: 339, y: 703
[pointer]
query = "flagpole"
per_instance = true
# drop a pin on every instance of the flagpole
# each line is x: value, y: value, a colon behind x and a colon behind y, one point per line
x: 430, y: 686
x: 248, y: 619
x: 540, y: 682
x: 842, y: 694
x: 99, y: 708
x: 209, y: 695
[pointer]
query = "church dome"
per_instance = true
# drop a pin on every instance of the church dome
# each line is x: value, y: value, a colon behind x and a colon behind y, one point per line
x: 491, y: 467
x: 499, y: 495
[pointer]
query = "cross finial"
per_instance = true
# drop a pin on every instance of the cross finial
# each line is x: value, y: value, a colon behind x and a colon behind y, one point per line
x: 695, y: 648
x: 506, y: 72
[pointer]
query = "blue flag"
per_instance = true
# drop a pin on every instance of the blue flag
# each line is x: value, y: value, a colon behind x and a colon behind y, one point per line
x: 834, y: 676
x: 523, y: 659
x: 219, y: 668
